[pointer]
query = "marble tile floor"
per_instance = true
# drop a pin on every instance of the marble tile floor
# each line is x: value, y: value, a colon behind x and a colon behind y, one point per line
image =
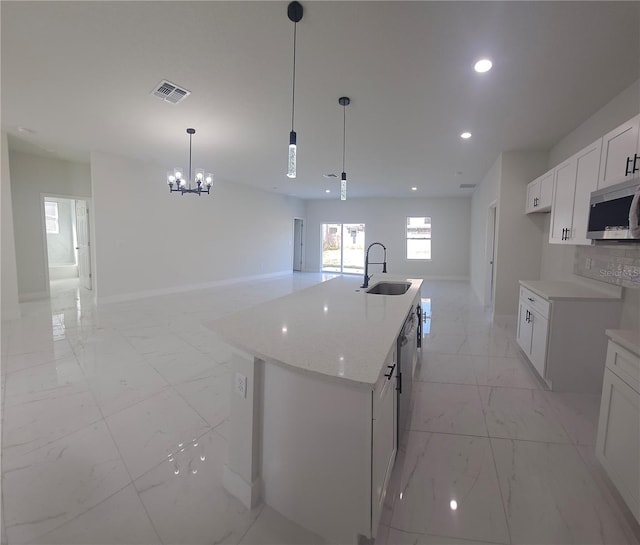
x: 115, y: 417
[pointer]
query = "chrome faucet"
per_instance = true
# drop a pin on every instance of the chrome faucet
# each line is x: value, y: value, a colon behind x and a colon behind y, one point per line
x: 366, y: 263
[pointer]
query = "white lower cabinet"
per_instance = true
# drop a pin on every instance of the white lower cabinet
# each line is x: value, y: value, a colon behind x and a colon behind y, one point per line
x: 383, y: 452
x: 532, y: 330
x: 564, y: 338
x: 618, y: 442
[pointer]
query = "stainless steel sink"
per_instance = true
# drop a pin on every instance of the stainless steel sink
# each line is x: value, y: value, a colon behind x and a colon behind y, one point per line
x: 389, y: 288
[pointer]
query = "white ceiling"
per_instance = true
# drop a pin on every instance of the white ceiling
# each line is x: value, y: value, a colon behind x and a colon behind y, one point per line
x: 79, y: 74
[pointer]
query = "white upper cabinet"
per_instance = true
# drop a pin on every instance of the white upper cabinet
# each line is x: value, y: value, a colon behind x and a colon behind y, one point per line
x: 620, y: 154
x: 540, y: 193
x: 575, y: 179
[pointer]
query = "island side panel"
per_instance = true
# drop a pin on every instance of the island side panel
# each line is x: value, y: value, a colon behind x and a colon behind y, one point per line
x: 241, y: 475
x: 316, y: 453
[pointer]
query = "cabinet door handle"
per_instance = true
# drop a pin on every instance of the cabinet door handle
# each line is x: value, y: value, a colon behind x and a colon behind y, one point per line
x: 628, y: 169
x: 562, y: 237
x: 391, y: 368
x: 635, y: 160
x: 399, y: 383
x: 528, y: 318
x: 531, y: 299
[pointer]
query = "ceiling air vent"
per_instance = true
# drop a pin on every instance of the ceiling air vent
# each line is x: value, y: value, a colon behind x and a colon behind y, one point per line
x: 170, y: 92
x: 467, y: 186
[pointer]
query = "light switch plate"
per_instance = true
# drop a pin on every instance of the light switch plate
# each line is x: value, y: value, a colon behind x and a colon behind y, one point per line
x: 241, y: 385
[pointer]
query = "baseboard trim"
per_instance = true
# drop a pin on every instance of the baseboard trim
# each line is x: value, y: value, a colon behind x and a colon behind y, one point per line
x: 190, y: 287
x: 32, y: 296
x: 248, y: 494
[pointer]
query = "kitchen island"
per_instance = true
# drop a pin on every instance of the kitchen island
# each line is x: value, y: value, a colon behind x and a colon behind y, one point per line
x: 313, y: 407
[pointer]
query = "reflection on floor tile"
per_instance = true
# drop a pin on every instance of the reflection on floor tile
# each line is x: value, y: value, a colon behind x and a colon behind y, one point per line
x: 504, y: 371
x: 441, y: 469
x: 447, y: 368
x: 189, y: 490
x: 158, y: 377
x: 398, y: 537
x: 271, y: 528
x: 550, y: 497
x: 578, y: 413
x: 147, y: 432
x: 521, y: 414
x: 119, y: 519
x: 52, y: 485
x: 447, y: 408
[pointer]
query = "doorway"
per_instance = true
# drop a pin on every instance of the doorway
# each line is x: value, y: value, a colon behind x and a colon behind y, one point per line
x: 298, y: 241
x: 343, y: 247
x: 490, y: 256
x: 66, y: 225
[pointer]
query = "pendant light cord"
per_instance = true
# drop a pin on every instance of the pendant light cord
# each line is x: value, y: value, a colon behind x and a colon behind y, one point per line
x: 293, y: 100
x: 344, y: 132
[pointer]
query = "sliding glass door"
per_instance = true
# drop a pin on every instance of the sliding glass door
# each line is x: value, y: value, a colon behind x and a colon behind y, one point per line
x: 343, y: 247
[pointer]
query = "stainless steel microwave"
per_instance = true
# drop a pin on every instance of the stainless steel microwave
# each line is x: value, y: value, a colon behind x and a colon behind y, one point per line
x: 615, y: 212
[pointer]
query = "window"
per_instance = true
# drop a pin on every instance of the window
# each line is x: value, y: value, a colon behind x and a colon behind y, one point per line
x: 419, y: 238
x: 51, y: 217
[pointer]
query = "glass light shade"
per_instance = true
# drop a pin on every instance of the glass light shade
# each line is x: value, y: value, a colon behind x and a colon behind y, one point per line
x: 291, y: 166
x: 170, y: 178
x: 177, y: 172
x: 208, y: 178
x: 343, y: 187
x: 199, y: 174
x: 182, y: 182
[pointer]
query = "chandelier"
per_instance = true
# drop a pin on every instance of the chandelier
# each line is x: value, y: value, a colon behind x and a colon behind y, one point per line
x: 203, y: 181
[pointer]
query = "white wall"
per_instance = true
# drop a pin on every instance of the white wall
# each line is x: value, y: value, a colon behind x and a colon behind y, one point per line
x: 9, y: 278
x: 385, y: 222
x: 148, y: 241
x: 517, y: 255
x: 31, y: 176
x: 518, y: 241
x: 484, y: 195
x: 557, y: 260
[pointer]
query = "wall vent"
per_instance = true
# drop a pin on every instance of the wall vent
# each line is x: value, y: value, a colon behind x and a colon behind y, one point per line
x: 170, y: 92
x: 467, y: 186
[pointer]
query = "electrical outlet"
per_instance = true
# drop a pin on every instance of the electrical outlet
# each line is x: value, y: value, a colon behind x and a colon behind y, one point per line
x: 241, y: 385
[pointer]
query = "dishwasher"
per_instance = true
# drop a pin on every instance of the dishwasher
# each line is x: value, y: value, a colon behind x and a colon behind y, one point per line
x: 407, y: 359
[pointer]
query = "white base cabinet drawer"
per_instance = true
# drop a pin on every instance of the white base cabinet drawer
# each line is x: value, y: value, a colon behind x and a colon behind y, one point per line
x: 618, y: 442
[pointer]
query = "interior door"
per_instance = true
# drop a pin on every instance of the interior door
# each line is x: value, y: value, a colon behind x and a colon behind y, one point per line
x: 297, y: 244
x: 84, y: 252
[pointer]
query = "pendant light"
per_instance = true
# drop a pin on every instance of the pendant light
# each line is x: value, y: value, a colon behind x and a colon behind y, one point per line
x: 294, y: 12
x: 344, y: 102
x: 176, y: 177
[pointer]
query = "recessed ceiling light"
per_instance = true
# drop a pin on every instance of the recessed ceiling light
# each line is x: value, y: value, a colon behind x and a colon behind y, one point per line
x: 414, y: 189
x: 465, y: 135
x: 483, y: 65
x: 327, y: 191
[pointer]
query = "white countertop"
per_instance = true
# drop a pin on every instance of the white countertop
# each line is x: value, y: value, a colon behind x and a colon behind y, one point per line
x: 627, y: 338
x: 567, y: 291
x: 332, y: 329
